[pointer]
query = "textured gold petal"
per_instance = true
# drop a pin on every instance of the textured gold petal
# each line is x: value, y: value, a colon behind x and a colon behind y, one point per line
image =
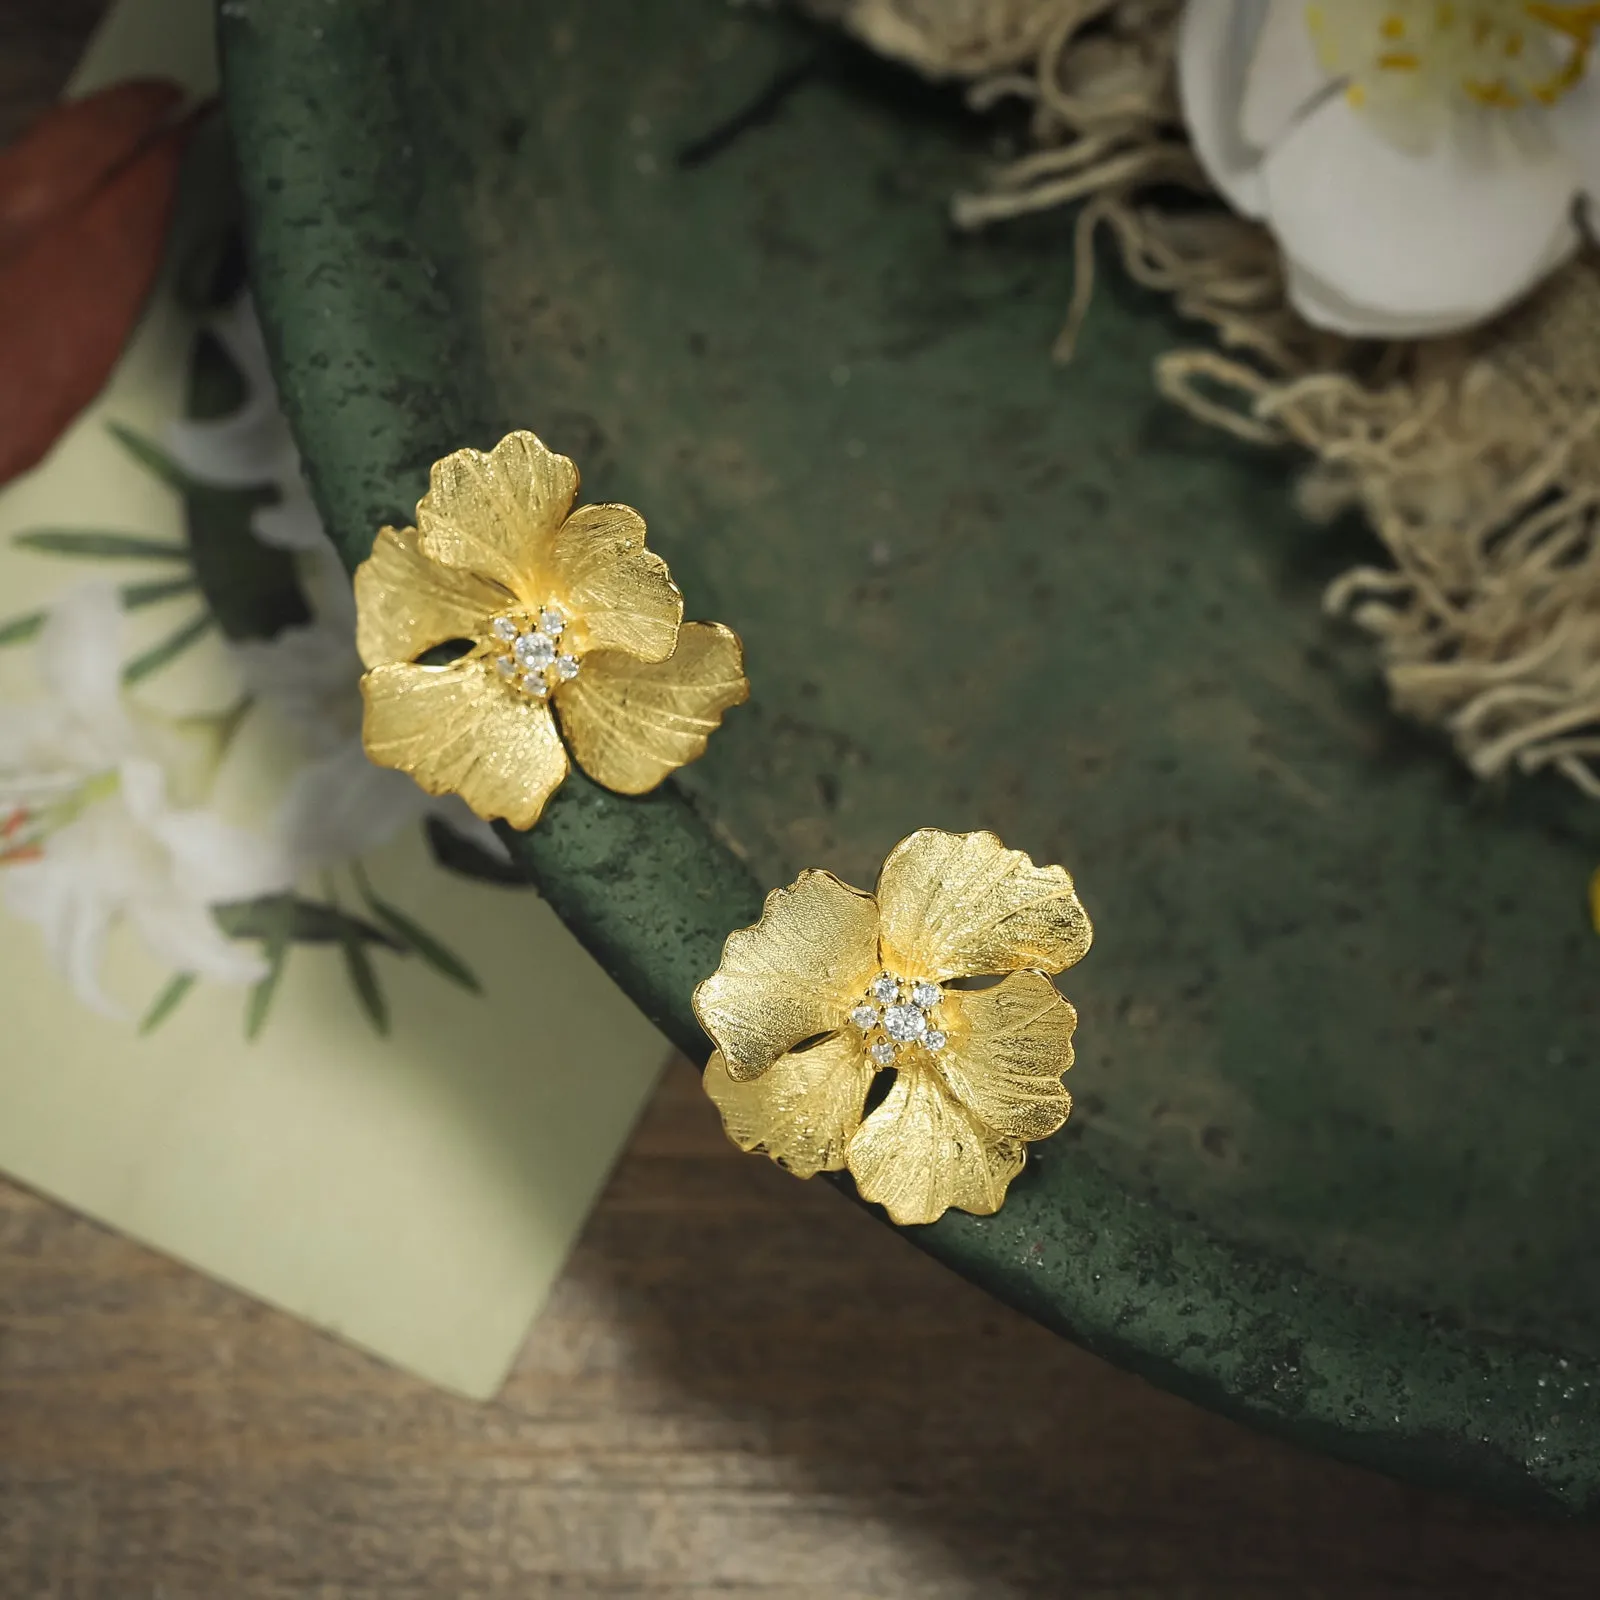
x: 1009, y: 1046
x: 459, y: 730
x: 406, y: 604
x: 922, y: 1152
x: 629, y: 723
x: 497, y: 514
x: 958, y: 905
x: 620, y: 594
x: 795, y: 974
x: 802, y: 1110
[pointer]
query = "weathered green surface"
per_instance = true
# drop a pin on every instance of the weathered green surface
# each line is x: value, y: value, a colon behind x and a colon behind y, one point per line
x: 1337, y: 1086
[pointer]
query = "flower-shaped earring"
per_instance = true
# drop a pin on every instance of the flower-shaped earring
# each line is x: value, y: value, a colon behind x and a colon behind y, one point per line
x: 833, y: 987
x: 566, y: 618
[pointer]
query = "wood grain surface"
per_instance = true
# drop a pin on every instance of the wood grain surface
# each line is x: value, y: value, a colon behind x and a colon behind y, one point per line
x: 743, y: 1386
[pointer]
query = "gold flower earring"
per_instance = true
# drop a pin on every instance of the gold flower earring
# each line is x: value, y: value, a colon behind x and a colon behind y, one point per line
x: 833, y: 987
x: 569, y: 621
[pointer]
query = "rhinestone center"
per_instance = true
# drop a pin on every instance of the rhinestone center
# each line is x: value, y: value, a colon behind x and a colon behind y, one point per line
x: 537, y: 661
x: 896, y: 1015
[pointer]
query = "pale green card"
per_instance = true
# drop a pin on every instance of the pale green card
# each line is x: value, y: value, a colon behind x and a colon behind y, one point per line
x: 415, y: 1194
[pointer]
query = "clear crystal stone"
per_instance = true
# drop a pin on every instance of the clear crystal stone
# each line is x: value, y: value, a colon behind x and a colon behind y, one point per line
x: 566, y: 668
x: 883, y: 1054
x: 505, y: 666
x: 865, y: 1018
x: 505, y: 629
x: 534, y: 650
x: 905, y: 1023
x: 885, y: 989
x: 926, y: 995
x: 551, y: 621
x: 934, y: 1039
x: 535, y: 685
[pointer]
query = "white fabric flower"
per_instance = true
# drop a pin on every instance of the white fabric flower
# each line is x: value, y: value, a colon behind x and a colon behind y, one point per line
x: 339, y: 805
x: 51, y: 748
x: 253, y: 446
x: 1421, y: 164
x: 89, y: 835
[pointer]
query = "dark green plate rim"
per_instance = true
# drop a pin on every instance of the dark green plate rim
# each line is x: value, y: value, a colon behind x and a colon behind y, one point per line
x: 361, y: 328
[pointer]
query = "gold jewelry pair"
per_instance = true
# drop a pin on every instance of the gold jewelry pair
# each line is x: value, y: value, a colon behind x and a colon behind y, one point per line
x: 507, y: 631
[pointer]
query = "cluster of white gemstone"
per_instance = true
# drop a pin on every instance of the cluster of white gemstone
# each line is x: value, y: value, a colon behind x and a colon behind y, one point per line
x: 895, y: 1015
x: 536, y: 662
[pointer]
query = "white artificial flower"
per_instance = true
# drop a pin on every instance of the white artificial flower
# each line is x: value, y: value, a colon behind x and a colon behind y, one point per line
x: 89, y: 837
x: 339, y: 805
x: 253, y: 446
x: 1421, y: 163
x: 51, y: 748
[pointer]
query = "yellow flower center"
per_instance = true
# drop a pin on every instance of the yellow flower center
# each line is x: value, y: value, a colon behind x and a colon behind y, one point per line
x: 1454, y: 55
x: 532, y: 656
x: 897, y: 1014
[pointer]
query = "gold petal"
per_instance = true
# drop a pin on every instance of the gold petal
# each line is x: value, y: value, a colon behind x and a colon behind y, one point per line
x: 795, y: 974
x: 406, y: 604
x: 922, y: 1152
x: 621, y: 595
x: 629, y: 723
x: 459, y: 730
x: 497, y: 514
x: 957, y: 905
x: 1009, y: 1046
x: 802, y: 1110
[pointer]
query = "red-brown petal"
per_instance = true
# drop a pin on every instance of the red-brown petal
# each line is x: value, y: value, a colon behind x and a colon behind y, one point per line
x: 73, y: 148
x: 70, y: 296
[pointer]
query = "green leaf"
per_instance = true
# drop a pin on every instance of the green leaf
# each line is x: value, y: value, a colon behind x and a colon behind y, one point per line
x: 260, y: 1002
x: 136, y: 596
x: 309, y: 922
x: 20, y: 629
x: 460, y: 855
x: 99, y: 544
x: 363, y: 975
x: 154, y: 459
x: 169, y: 649
x: 438, y: 955
x: 364, y: 978
x: 167, y: 1002
x: 278, y: 921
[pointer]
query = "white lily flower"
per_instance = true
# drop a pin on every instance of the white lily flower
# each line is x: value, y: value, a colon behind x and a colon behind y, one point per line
x: 1421, y: 163
x: 339, y: 805
x: 52, y: 748
x: 89, y: 837
x: 253, y: 446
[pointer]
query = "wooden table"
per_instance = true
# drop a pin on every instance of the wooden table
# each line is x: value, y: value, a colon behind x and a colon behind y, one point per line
x: 742, y: 1387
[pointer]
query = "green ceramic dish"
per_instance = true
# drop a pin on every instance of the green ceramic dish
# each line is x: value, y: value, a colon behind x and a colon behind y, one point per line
x: 1332, y: 1167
